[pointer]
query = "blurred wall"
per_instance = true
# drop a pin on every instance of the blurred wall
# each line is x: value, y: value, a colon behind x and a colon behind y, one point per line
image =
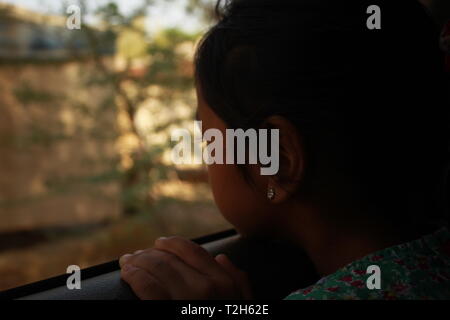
x: 57, y: 150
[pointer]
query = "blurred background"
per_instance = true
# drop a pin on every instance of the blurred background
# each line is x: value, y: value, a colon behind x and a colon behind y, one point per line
x: 85, y: 123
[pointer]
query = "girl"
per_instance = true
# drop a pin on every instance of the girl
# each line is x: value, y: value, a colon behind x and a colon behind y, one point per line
x: 358, y: 100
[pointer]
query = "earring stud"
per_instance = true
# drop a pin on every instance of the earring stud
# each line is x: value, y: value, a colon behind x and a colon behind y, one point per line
x: 271, y: 193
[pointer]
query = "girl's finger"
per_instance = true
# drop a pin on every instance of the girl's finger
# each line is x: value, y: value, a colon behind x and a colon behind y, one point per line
x: 191, y: 253
x: 144, y: 285
x: 123, y: 259
x: 175, y: 275
x: 179, y: 279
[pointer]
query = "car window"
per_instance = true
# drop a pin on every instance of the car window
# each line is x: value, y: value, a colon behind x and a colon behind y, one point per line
x: 90, y: 93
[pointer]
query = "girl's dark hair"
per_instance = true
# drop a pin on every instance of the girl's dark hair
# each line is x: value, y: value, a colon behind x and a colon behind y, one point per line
x: 369, y: 103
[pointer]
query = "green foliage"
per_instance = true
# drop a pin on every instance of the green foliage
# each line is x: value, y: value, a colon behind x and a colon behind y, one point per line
x: 203, y: 8
x: 110, y: 13
x: 132, y: 44
x: 166, y: 61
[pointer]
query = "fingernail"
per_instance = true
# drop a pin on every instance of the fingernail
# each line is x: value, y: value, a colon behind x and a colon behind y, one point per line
x: 125, y: 257
x: 138, y: 251
x: 160, y: 239
x: 221, y: 256
x: 128, y: 268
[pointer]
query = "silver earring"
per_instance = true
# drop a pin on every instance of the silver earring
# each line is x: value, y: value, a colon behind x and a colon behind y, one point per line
x: 271, y: 193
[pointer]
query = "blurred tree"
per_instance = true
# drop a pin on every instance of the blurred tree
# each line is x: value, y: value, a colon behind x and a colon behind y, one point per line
x: 128, y: 61
x: 204, y: 9
x: 143, y: 62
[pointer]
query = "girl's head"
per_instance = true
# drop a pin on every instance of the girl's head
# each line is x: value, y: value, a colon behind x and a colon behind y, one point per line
x: 361, y: 114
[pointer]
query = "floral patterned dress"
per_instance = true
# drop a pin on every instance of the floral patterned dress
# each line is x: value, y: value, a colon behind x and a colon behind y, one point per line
x: 419, y: 269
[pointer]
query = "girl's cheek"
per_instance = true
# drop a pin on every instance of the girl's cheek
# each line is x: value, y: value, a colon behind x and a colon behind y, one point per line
x: 234, y: 197
x: 219, y: 186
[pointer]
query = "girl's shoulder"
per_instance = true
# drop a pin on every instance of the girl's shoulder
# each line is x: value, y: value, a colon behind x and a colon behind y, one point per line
x: 419, y: 269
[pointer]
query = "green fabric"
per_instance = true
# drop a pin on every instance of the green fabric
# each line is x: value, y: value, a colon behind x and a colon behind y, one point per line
x: 418, y: 269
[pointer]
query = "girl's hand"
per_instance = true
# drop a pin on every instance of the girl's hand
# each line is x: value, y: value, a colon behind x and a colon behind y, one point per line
x: 179, y: 269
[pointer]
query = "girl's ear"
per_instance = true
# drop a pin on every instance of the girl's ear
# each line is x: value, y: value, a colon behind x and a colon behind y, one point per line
x: 291, y: 161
